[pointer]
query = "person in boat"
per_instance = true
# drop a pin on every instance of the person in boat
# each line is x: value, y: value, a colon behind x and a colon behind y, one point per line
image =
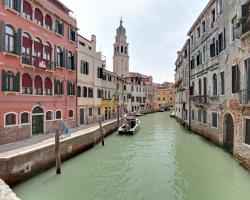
x: 127, y: 127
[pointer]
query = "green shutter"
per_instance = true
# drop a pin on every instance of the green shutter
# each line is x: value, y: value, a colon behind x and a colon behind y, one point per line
x: 2, y: 36
x: 238, y: 78
x: 3, y: 80
x: 18, y: 5
x: 17, y: 83
x: 18, y: 44
x: 62, y: 26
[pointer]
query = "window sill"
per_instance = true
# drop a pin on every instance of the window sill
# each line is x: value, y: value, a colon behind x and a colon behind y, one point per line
x: 10, y: 92
x: 24, y: 124
x: 72, y: 42
x: 59, y: 35
x: 71, y: 70
x: 59, y: 95
x: 11, y: 9
x: 11, y: 126
x: 59, y: 67
x: 6, y: 53
x: 27, y: 65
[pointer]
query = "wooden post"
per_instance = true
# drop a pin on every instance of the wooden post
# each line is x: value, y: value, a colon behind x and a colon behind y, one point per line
x: 118, y: 117
x: 57, y: 152
x: 101, y: 131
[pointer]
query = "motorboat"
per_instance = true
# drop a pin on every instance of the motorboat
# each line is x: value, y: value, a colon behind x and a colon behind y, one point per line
x: 130, y: 126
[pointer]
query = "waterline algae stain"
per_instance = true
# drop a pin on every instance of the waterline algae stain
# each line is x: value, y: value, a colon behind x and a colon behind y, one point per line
x: 162, y: 161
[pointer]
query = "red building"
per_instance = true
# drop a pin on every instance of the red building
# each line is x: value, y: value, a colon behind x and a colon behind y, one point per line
x: 38, y: 68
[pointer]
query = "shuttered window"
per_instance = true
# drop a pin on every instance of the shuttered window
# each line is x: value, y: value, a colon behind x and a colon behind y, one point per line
x: 247, y: 140
x: 48, y: 22
x: 13, y: 4
x: 26, y: 84
x: 48, y: 86
x: 10, y: 81
x: 27, y: 10
x: 59, y: 57
x: 59, y: 27
x: 10, y: 39
x: 38, y: 17
x: 38, y: 85
x: 235, y: 79
x: 70, y: 88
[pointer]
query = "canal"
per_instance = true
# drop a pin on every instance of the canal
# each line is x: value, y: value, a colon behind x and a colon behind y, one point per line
x: 162, y: 161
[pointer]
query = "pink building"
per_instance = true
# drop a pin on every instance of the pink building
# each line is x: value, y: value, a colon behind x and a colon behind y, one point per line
x: 38, y: 68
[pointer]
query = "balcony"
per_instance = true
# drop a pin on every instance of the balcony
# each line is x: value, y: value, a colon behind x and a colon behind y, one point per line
x: 244, y: 97
x: 32, y: 61
x: 200, y: 100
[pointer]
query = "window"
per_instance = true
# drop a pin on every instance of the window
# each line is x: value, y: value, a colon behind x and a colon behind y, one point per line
x: 90, y: 92
x: 99, y: 111
x: 48, y: 23
x: 13, y: 4
x: 199, y: 115
x: 192, y: 62
x: 72, y: 34
x: 204, y: 26
x: 70, y: 61
x: 247, y: 138
x: 212, y: 17
x: 79, y: 91
x: 124, y: 87
x: 38, y: 85
x: 49, y: 115
x: 99, y: 93
x: 215, y: 87
x: 214, y: 119
x: 26, y: 84
x: 85, y: 92
x: 71, y: 88
x: 48, y: 86
x: 235, y: 79
x: 38, y: 17
x: 25, y: 118
x: 59, y: 57
x: 10, y: 39
x: 200, y: 87
x: 71, y: 114
x: 90, y: 112
x: 59, y: 87
x: 222, y: 41
x: 193, y: 115
x: 213, y: 48
x: 198, y: 32
x: 204, y: 117
x: 199, y: 58
x: 192, y: 39
x: 27, y: 10
x: 84, y: 67
x: 10, y: 119
x: 47, y: 55
x: 38, y: 48
x: 234, y: 27
x: 58, y: 114
x: 204, y: 54
x: 109, y: 78
x: 99, y: 73
x: 222, y: 82
x: 59, y: 27
x: 10, y: 81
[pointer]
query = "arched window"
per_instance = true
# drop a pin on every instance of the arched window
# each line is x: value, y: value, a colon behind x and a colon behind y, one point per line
x: 79, y: 91
x: 48, y: 22
x: 27, y: 10
x: 10, y: 119
x: 25, y: 118
x: 84, y: 92
x: 38, y: 48
x: 70, y: 60
x: 71, y: 114
x: 215, y: 87
x: 26, y: 84
x: 38, y: 85
x: 59, y: 57
x: 38, y: 17
x: 48, y: 86
x: 47, y: 51
x: 90, y: 92
x: 58, y: 114
x: 49, y: 115
x: 200, y: 86
x: 9, y: 39
x: 27, y: 49
x: 10, y: 78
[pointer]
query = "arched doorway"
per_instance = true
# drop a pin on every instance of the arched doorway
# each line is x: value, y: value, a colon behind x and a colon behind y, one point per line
x: 37, y: 121
x: 229, y: 133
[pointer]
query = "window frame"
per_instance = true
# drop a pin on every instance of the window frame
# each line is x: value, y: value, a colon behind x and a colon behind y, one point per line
x: 217, y: 114
x: 10, y: 125
x: 52, y: 115
x: 20, y: 119
x: 56, y: 115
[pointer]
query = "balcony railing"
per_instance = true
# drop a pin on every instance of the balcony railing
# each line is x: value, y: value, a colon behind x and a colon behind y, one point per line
x: 37, y: 62
x: 200, y: 99
x: 244, y: 97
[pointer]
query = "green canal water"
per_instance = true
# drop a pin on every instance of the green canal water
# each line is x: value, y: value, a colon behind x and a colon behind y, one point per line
x: 163, y: 161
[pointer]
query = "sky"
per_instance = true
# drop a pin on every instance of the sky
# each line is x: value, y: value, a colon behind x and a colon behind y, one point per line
x: 156, y: 30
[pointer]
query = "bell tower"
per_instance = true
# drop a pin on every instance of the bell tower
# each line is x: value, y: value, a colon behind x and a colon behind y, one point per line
x: 121, y: 56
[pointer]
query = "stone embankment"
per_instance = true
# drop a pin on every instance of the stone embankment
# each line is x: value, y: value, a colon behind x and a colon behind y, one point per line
x: 19, y: 164
x: 6, y: 193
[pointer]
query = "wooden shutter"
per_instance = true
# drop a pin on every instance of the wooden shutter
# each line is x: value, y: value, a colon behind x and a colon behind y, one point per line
x: 3, y: 80
x: 17, y: 82
x: 2, y: 36
x: 55, y: 87
x: 18, y: 44
x: 62, y: 26
x: 18, y: 6
x: 238, y: 78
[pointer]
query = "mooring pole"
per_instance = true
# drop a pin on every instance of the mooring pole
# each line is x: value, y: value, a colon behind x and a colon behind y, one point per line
x: 57, y: 152
x: 118, y: 117
x: 101, y: 131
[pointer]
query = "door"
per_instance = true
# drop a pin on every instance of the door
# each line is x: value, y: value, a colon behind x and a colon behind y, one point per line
x: 229, y: 134
x: 37, y: 124
x: 81, y: 116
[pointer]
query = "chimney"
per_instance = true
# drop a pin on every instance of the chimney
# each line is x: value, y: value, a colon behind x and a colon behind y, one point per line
x: 93, y: 42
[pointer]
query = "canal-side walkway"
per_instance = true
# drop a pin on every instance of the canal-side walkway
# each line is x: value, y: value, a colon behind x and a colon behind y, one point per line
x: 6, y: 193
x: 44, y: 139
